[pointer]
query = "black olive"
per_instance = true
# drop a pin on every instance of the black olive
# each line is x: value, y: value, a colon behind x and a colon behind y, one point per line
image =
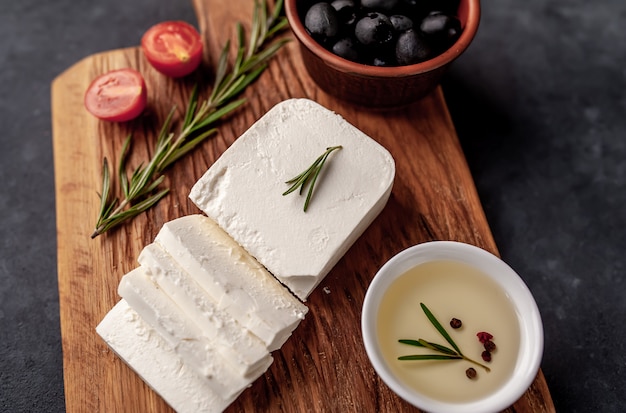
x: 411, y: 48
x: 374, y: 29
x: 346, y: 11
x: 322, y: 22
x: 383, y: 5
x: 441, y: 29
x: 401, y: 23
x: 346, y: 48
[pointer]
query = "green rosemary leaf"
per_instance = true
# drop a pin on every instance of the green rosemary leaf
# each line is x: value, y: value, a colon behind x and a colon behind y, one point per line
x: 254, y: 33
x: 312, y: 183
x: 121, y: 170
x: 149, y: 202
x: 106, y: 188
x: 191, y: 108
x: 428, y: 344
x: 309, y: 176
x: 222, y: 67
x: 152, y: 186
x: 189, y: 146
x: 278, y: 7
x: 233, y: 87
x: 244, y: 81
x: 256, y: 28
x: 110, y: 207
x: 142, y: 178
x: 105, y: 206
x: 241, y: 44
x: 439, y: 328
x: 136, y: 175
x: 141, y: 206
x: 428, y: 357
x: 129, y: 213
x: 265, y: 55
x: 307, y: 179
x: 437, y: 347
x: 241, y: 49
x: 415, y: 343
x: 164, y: 134
x: 296, y: 181
x: 280, y: 24
x: 218, y: 114
x: 300, y: 180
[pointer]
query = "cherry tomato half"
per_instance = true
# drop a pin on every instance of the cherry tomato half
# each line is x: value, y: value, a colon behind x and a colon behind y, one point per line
x: 118, y: 95
x: 174, y: 48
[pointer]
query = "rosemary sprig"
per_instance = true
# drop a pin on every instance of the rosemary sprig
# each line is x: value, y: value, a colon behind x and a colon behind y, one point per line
x: 136, y: 188
x: 309, y: 176
x: 140, y: 191
x: 448, y: 353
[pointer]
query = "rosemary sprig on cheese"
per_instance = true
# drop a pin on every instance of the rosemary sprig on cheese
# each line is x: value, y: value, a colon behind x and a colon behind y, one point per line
x: 141, y: 191
x: 309, y: 176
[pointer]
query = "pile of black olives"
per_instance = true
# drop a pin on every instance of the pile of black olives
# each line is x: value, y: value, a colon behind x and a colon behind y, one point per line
x: 384, y: 32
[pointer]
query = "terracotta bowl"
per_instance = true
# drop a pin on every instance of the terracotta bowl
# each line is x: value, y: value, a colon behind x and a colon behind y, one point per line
x: 374, y: 86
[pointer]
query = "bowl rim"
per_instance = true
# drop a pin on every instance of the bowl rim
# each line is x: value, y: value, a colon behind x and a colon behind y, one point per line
x: 347, y: 66
x: 531, y: 328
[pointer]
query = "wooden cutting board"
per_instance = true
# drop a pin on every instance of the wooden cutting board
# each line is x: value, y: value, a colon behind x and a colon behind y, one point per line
x: 323, y: 366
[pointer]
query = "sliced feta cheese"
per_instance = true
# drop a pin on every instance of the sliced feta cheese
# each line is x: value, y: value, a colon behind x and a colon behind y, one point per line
x: 242, y: 191
x: 235, y: 280
x: 156, y: 362
x: 245, y: 351
x: 162, y: 314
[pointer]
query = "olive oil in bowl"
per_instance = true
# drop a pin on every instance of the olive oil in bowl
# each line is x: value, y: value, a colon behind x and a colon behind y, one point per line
x: 416, y: 294
x: 450, y: 290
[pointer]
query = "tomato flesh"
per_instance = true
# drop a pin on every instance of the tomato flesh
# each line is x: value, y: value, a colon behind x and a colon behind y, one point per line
x: 117, y: 96
x: 174, y: 48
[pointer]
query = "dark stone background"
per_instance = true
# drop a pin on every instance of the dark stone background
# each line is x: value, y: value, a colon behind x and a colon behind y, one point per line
x: 539, y: 102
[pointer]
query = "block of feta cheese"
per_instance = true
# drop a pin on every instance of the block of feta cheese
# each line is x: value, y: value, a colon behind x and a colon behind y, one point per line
x: 156, y: 362
x: 233, y: 279
x: 239, y: 347
x: 196, y: 351
x: 242, y: 191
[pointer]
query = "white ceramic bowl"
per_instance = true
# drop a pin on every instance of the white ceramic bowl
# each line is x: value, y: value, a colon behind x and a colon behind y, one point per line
x: 531, y: 330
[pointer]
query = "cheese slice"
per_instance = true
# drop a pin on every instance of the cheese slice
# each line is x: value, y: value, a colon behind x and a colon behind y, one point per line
x: 239, y: 347
x: 242, y: 191
x: 162, y: 314
x: 233, y: 279
x: 156, y: 362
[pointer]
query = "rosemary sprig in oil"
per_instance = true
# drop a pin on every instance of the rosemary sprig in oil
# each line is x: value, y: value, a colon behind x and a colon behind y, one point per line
x: 453, y: 353
x: 141, y: 191
x: 309, y: 176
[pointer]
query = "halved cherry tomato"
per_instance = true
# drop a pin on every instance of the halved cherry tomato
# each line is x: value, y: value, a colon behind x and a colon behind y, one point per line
x: 118, y: 95
x: 174, y: 48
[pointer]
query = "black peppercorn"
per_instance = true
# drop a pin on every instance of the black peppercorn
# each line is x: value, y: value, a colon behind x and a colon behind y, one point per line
x: 470, y: 373
x: 456, y: 323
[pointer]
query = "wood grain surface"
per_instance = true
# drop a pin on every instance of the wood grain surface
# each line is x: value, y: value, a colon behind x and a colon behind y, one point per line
x: 323, y: 366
